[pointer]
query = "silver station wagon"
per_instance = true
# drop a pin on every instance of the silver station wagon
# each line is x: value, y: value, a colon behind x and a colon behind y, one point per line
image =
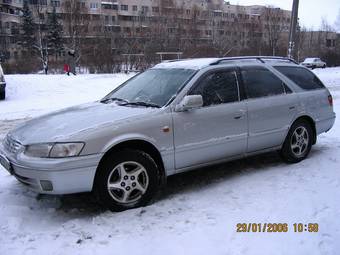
x: 174, y: 117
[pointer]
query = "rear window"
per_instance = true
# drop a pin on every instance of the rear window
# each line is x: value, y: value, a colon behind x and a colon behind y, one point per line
x: 305, y: 79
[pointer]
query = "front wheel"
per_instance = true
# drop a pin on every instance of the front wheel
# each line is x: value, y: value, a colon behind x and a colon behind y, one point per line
x: 298, y: 142
x: 126, y: 180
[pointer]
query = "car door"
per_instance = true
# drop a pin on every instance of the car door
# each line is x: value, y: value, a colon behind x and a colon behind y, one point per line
x: 271, y: 107
x: 218, y: 129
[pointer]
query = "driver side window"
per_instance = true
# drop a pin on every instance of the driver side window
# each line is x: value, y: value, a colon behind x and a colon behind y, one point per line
x: 219, y: 87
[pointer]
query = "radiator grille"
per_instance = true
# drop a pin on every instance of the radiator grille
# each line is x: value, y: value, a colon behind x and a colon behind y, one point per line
x: 12, y: 145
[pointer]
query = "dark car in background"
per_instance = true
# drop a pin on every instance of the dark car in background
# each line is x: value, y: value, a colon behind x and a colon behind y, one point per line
x: 2, y: 85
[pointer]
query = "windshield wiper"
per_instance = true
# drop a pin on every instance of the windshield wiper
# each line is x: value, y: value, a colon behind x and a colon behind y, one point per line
x: 111, y: 99
x: 141, y: 103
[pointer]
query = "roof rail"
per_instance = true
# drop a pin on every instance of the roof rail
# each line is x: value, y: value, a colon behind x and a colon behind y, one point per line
x: 174, y: 60
x: 259, y: 58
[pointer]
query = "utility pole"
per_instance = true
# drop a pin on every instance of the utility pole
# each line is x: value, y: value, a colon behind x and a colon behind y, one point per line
x: 293, y: 26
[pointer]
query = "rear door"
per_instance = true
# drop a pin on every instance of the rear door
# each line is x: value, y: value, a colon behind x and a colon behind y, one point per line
x: 271, y: 108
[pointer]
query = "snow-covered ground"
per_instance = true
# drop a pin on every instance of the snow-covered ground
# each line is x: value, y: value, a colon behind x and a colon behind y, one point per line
x: 32, y: 95
x: 199, y: 211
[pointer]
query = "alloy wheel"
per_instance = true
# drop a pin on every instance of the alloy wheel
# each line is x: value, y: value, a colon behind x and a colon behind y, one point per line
x: 299, y: 141
x: 127, y: 182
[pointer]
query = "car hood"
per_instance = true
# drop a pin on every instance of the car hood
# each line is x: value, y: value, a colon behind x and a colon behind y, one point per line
x: 75, y: 123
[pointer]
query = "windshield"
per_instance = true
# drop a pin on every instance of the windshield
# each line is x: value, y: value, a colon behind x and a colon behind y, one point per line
x: 154, y: 86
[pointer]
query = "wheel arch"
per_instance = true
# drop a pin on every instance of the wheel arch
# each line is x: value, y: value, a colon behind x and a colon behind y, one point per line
x: 141, y: 145
x: 312, y: 124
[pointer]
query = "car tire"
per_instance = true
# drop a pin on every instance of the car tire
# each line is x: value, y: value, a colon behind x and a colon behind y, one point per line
x: 298, y: 142
x: 2, y: 95
x: 126, y: 179
x: 324, y: 66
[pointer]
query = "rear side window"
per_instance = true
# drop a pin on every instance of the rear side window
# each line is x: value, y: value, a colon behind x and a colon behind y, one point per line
x: 260, y: 82
x: 302, y: 77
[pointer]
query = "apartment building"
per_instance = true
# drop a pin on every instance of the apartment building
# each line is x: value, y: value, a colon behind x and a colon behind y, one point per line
x: 198, y: 21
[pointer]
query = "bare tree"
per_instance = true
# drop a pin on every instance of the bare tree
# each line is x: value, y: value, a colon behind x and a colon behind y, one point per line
x: 274, y: 27
x: 41, y: 42
x: 76, y: 22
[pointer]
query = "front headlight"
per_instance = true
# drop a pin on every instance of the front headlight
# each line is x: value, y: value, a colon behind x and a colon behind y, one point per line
x: 64, y: 150
x: 38, y: 150
x: 56, y: 150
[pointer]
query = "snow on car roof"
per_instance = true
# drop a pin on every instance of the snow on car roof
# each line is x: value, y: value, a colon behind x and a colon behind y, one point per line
x: 309, y: 60
x: 195, y: 64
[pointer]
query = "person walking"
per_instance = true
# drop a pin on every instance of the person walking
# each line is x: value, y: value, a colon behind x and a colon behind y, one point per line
x: 71, y: 61
x: 67, y: 69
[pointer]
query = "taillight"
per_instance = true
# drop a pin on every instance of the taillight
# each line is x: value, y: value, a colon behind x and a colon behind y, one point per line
x: 330, y: 100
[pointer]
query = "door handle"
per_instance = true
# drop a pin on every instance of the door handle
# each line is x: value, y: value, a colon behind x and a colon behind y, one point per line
x: 239, y: 115
x: 291, y: 107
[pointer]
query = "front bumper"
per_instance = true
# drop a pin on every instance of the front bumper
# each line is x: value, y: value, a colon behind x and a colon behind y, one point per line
x: 53, y: 176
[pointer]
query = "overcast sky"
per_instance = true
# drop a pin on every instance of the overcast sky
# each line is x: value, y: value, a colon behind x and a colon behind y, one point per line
x: 310, y: 11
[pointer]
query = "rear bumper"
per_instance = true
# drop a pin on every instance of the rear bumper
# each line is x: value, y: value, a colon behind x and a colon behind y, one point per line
x: 54, y: 176
x: 325, y: 125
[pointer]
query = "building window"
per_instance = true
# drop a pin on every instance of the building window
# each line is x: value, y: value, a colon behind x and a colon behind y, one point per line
x: 124, y: 7
x: 145, y: 9
x: 155, y: 9
x: 55, y: 3
x: 110, y: 7
x: 135, y: 8
x: 171, y: 30
x: 330, y: 43
x: 94, y: 5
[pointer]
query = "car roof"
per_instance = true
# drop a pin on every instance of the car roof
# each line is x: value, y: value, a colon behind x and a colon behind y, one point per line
x: 201, y: 63
x: 195, y: 64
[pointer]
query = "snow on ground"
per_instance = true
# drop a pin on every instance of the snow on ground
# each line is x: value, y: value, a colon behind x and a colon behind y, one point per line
x: 32, y: 95
x: 199, y: 210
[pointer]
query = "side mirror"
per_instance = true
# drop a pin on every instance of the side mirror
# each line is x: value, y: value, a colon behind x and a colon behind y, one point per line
x: 189, y: 102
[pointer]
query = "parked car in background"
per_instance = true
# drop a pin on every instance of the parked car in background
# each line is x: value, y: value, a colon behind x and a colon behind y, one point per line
x: 314, y: 63
x: 2, y: 85
x: 172, y: 118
